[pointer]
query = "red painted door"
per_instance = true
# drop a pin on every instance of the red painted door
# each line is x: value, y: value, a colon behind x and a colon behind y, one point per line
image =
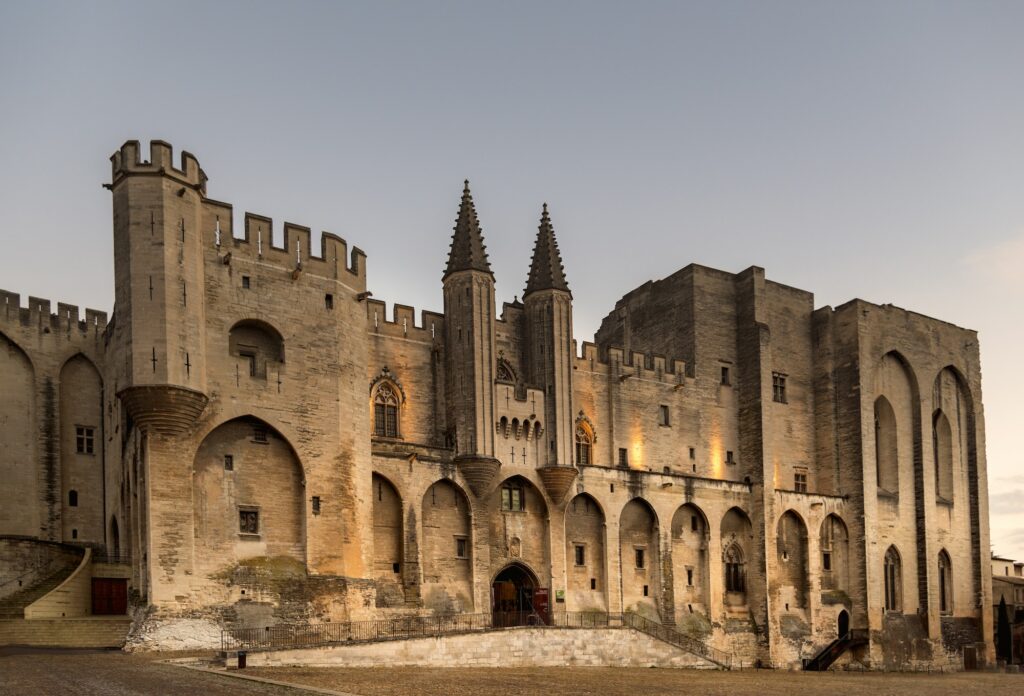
x: 109, y: 596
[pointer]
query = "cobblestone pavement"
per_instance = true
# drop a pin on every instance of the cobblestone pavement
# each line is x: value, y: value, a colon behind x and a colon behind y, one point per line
x: 594, y: 681
x: 41, y: 672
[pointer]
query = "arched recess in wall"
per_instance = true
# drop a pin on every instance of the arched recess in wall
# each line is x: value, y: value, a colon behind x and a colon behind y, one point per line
x: 737, y: 555
x: 387, y: 542
x: 951, y: 394
x: 892, y: 577
x: 20, y: 503
x: 518, y: 516
x: 945, y: 578
x: 114, y: 548
x: 942, y: 453
x: 887, y: 471
x: 257, y: 346
x: 791, y: 552
x: 585, y: 554
x: 690, y: 534
x: 248, y: 497
x: 896, y: 379
x: 639, y: 558
x: 834, y: 543
x: 81, y: 448
x: 446, y: 549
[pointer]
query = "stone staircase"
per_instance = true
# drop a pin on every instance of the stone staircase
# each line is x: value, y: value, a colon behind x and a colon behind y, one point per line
x: 13, y: 606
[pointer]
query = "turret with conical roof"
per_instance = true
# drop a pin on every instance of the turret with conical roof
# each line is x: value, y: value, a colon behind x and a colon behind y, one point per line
x: 467, y: 252
x: 547, y: 305
x: 546, y: 271
x: 470, y: 359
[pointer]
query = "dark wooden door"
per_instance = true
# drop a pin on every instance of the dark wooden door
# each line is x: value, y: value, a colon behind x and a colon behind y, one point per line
x: 109, y: 596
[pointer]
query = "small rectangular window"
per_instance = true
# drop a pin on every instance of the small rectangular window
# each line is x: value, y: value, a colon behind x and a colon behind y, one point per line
x: 250, y: 357
x: 826, y: 560
x: 512, y: 499
x: 229, y: 462
x: 259, y: 435
x: 800, y: 482
x: 248, y: 521
x: 329, y: 301
x: 640, y: 558
x: 85, y: 439
x: 725, y: 376
x: 623, y: 457
x: 461, y: 547
x: 693, y: 523
x: 689, y: 577
x: 646, y: 591
x: 693, y: 453
x: 728, y: 457
x: 245, y: 282
x: 663, y: 415
x: 593, y: 583
x: 581, y: 555
x: 779, y: 387
x: 316, y: 504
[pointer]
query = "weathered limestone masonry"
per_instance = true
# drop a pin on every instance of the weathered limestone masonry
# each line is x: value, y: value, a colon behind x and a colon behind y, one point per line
x: 270, y: 446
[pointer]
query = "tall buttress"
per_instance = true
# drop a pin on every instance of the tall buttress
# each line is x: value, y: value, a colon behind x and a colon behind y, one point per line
x: 548, y: 309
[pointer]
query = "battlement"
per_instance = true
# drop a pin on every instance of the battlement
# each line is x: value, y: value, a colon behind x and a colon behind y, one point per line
x: 38, y: 314
x: 402, y: 324
x: 649, y: 366
x: 295, y: 253
x: 128, y: 160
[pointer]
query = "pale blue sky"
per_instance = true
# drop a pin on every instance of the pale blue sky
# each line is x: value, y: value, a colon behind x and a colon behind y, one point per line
x: 870, y: 150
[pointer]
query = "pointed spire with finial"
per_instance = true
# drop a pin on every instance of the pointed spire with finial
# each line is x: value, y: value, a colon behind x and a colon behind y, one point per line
x: 468, y: 252
x: 546, y: 271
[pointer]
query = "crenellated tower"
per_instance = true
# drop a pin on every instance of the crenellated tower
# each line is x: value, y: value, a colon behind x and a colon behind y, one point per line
x: 549, y: 354
x: 160, y: 311
x: 469, y: 348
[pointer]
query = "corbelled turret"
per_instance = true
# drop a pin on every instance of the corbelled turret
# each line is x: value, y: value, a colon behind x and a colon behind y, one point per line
x: 469, y: 350
x: 548, y: 308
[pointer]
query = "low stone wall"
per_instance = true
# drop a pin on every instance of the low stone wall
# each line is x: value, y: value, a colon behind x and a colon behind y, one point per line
x: 513, y: 647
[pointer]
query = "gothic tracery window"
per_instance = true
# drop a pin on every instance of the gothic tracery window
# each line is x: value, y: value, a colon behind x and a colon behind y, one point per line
x: 734, y: 575
x: 385, y: 412
x: 504, y: 373
x: 584, y: 443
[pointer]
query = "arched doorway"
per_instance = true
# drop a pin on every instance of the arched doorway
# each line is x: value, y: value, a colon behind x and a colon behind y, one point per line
x: 844, y: 623
x: 516, y: 598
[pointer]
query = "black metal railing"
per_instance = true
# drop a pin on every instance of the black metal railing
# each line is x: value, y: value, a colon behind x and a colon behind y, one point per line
x: 111, y: 558
x: 834, y: 650
x: 667, y: 634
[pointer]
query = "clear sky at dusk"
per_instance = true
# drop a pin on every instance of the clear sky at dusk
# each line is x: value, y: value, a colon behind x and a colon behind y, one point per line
x: 871, y: 150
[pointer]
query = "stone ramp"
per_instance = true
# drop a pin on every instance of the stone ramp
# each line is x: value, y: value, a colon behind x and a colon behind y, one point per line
x: 13, y: 606
x: 85, y: 632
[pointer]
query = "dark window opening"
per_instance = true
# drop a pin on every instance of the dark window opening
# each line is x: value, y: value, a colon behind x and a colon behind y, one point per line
x: 581, y: 555
x: 74, y: 533
x: 85, y: 439
x: 640, y: 558
x: 693, y: 523
x: 396, y: 567
x: 779, y: 387
x: 245, y: 282
x: 259, y: 434
x: 693, y: 453
x: 248, y: 521
x: 689, y: 577
x: 800, y: 482
x: 229, y: 462
x: 461, y: 547
x: 663, y: 415
x: 623, y: 457
x: 826, y: 560
x: 72, y: 498
x: 645, y: 591
x: 729, y: 458
x: 316, y: 504
x: 329, y: 301
x: 593, y: 583
x: 725, y: 377
x: 513, y: 498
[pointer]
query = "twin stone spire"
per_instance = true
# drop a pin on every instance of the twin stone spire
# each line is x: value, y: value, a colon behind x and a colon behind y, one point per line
x: 468, y: 252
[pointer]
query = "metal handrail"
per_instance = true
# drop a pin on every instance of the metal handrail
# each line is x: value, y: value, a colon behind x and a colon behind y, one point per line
x: 46, y: 572
x: 670, y: 635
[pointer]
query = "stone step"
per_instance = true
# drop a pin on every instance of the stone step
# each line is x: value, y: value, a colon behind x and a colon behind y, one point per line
x: 88, y: 632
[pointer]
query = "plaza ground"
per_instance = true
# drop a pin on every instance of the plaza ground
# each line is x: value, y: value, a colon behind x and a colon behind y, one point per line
x: 85, y: 673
